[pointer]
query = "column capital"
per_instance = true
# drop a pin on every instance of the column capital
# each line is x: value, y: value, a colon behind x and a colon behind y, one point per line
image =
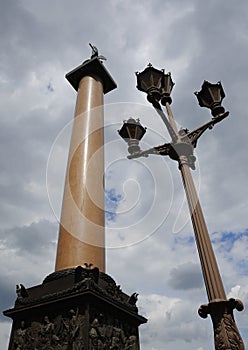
x: 95, y: 68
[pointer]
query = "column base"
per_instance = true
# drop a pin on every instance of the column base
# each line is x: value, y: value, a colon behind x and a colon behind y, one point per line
x: 226, y: 334
x: 75, y: 309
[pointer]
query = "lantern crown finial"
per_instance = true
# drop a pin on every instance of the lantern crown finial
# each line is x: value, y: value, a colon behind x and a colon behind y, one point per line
x: 132, y: 132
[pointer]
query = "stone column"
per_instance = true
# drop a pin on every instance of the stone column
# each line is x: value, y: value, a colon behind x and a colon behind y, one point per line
x: 81, y: 233
x: 76, y: 307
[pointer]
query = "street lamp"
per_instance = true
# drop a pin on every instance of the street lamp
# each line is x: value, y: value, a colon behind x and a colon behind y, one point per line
x: 132, y: 132
x: 155, y: 83
x: 158, y: 86
x: 211, y: 96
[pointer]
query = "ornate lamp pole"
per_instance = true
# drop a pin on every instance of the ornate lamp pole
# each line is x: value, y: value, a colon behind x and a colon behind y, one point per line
x: 158, y: 86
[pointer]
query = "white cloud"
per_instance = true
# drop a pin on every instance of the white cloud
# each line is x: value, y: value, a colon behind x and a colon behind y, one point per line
x: 171, y: 320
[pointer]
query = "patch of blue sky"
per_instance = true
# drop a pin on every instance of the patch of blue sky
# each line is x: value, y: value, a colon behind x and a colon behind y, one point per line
x: 185, y: 240
x: 222, y: 242
x: 112, y: 200
x: 226, y: 240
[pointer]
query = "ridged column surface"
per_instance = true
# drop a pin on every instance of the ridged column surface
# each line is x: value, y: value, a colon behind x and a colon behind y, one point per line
x: 81, y: 234
x: 211, y: 274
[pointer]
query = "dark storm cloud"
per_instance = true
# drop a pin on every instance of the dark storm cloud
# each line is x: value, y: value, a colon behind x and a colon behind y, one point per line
x: 33, y: 239
x: 22, y: 247
x: 25, y: 146
x: 7, y: 295
x: 186, y: 276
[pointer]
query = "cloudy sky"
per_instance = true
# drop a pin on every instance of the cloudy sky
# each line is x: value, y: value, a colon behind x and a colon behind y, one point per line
x: 149, y: 235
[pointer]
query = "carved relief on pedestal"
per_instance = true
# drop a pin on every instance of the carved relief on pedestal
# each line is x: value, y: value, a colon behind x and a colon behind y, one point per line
x: 71, y: 331
x: 75, y: 309
x: 111, y: 334
x: 20, y: 337
x: 131, y: 343
x: 62, y: 333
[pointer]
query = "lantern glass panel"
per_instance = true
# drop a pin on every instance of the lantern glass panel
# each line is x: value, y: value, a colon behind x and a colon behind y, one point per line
x: 149, y: 79
x: 215, y: 92
x: 132, y: 130
x: 209, y: 94
x: 167, y: 84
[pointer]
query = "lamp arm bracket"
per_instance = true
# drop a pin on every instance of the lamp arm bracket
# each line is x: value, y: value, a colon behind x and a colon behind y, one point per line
x: 194, y: 135
x: 160, y: 112
x: 143, y: 153
x: 163, y: 150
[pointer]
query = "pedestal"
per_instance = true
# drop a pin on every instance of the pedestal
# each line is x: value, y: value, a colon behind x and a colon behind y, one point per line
x: 75, y: 309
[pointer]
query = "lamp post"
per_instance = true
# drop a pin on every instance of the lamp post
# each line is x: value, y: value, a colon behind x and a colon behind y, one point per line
x: 158, y: 86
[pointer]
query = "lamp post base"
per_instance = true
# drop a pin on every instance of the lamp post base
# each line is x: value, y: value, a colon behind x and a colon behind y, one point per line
x: 226, y: 334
